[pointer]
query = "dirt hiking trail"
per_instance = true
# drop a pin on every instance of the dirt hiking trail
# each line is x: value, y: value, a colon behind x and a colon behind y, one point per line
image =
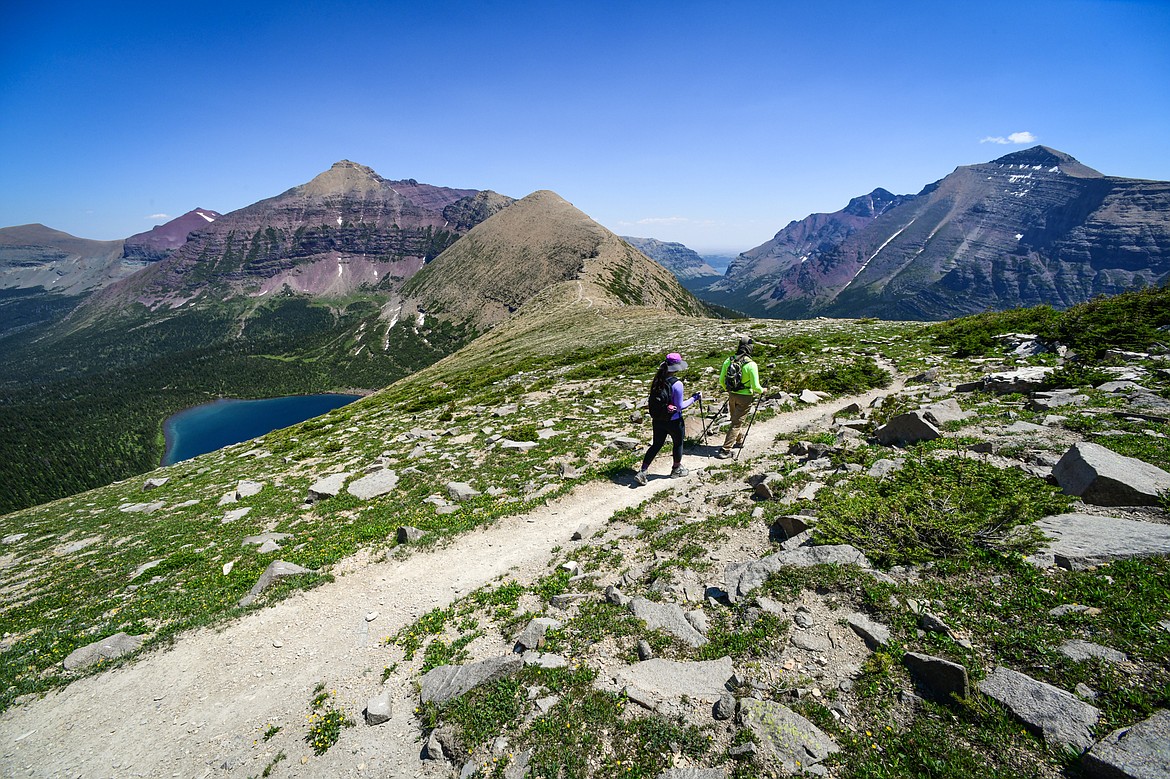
x: 200, y: 707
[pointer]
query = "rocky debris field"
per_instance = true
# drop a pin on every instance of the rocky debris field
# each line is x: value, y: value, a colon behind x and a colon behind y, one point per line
x: 966, y: 569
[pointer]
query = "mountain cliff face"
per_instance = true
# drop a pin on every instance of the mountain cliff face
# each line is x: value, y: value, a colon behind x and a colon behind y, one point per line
x: 345, y: 230
x: 1032, y: 227
x: 158, y: 242
x: 37, y: 256
x: 537, y: 243
x: 685, y: 263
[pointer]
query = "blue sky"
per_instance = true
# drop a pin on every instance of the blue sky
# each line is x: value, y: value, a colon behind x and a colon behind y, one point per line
x: 709, y: 123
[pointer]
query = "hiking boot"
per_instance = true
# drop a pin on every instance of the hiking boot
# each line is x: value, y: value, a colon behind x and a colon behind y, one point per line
x: 723, y: 454
x: 640, y: 477
x: 678, y: 472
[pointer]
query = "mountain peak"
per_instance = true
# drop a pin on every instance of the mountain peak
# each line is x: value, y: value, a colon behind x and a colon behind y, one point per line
x: 1048, y: 158
x: 345, y: 177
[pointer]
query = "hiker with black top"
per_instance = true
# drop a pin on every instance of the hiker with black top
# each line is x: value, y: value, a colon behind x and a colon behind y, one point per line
x: 666, y: 407
x: 741, y: 378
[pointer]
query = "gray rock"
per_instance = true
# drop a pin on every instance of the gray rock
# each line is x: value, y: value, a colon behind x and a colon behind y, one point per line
x: 883, y: 468
x: 874, y: 634
x: 698, y: 620
x: 275, y: 570
x: 326, y: 487
x: 801, y: 620
x: 809, y: 396
x: 517, y: 446
x: 793, y: 741
x: 1075, y: 649
x: 450, y: 681
x: 724, y: 708
x: 1080, y: 541
x: 545, y: 659
x: 810, y: 490
x: 811, y: 642
x: 532, y: 637
x: 949, y: 410
x: 668, y: 617
x: 742, y: 578
x: 1068, y: 608
x: 410, y: 535
x: 645, y: 651
x: 931, y: 622
x: 1141, y: 751
x: 373, y: 485
x: 108, y: 648
x: 1059, y: 716
x: 692, y: 773
x: 234, y: 514
x: 640, y: 697
x: 246, y: 489
x: 1104, y: 478
x: 518, y: 768
x: 264, y: 538
x: 144, y: 568
x: 378, y: 709
x: 615, y: 596
x: 1046, y: 401
x: 565, y: 600
x: 268, y: 547
x: 141, y: 508
x: 154, y: 483
x: 581, y: 531
x: 940, y: 677
x: 672, y: 679
x: 907, y: 428
x: 790, y: 525
x: 1021, y: 380
x: 460, y: 491
x: 1085, y: 692
x: 625, y: 442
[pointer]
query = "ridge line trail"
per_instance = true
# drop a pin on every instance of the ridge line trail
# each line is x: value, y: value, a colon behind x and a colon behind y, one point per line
x: 180, y: 711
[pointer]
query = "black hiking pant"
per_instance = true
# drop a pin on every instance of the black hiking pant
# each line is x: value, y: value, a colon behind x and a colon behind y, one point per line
x: 662, y: 429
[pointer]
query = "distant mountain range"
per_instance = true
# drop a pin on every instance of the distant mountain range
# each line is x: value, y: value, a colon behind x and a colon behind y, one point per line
x: 683, y: 262
x: 1028, y: 228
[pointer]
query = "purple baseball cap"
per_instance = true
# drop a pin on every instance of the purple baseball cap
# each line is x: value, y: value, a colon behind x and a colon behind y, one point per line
x: 675, y: 362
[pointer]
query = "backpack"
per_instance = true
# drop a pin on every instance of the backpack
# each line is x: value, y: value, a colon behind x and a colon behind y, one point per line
x: 733, y: 381
x: 661, y: 399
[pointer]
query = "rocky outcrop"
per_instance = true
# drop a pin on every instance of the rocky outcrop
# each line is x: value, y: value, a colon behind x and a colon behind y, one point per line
x: 158, y: 242
x: 1104, y: 478
x: 684, y: 263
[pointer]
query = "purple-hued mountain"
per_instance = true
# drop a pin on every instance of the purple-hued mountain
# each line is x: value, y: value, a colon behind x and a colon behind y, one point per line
x: 1028, y: 228
x: 345, y: 230
x: 158, y: 242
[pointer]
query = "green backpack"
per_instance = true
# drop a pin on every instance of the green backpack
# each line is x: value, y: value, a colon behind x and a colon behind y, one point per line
x: 733, y: 381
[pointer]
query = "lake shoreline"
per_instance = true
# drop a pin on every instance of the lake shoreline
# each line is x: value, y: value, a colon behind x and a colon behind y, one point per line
x: 173, y: 436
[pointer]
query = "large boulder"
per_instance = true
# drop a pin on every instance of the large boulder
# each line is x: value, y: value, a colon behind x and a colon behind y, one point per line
x: 906, y: 429
x: 109, y: 648
x: 673, y: 679
x: 742, y: 578
x: 791, y: 740
x: 275, y: 570
x: 940, y: 677
x: 448, y: 682
x: 1059, y: 716
x: 373, y: 485
x: 1141, y: 751
x: 1080, y: 541
x: 1102, y: 477
x: 668, y: 617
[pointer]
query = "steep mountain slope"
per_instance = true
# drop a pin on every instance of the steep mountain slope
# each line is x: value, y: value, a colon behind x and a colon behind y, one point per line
x: 1031, y: 227
x: 537, y: 243
x: 158, y: 242
x: 683, y: 262
x: 38, y: 256
x: 345, y: 230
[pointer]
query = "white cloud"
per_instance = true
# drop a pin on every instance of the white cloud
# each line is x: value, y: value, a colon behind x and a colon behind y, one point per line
x: 1021, y: 137
x: 156, y: 217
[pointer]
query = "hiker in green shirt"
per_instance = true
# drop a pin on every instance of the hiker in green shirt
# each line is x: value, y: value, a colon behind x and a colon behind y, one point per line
x: 741, y: 378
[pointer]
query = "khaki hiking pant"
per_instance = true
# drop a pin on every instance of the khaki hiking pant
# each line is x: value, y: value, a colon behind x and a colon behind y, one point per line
x: 738, y: 406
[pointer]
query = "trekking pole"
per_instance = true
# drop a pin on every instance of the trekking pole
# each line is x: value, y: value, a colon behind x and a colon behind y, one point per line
x: 702, y: 416
x: 711, y: 424
x: 749, y: 427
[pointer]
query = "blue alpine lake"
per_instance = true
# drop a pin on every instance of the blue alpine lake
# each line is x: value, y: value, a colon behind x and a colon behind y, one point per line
x: 212, y: 426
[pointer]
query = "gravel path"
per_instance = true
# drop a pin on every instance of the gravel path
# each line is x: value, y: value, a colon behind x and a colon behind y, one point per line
x: 198, y: 708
